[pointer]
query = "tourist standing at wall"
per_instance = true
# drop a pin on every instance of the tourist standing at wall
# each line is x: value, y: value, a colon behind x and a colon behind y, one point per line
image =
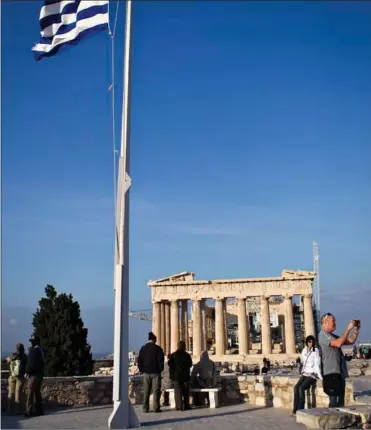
x: 35, y: 372
x: 180, y: 364
x: 311, y: 371
x: 334, y: 365
x: 151, y: 364
x: 17, y: 370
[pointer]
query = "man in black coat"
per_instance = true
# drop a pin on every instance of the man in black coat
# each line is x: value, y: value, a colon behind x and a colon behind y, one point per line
x: 35, y: 372
x: 151, y: 364
x: 180, y: 364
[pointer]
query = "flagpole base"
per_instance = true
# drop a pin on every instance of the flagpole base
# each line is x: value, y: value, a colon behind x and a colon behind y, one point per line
x: 123, y: 416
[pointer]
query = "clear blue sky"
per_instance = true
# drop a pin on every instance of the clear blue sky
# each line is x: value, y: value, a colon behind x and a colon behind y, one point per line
x: 251, y: 137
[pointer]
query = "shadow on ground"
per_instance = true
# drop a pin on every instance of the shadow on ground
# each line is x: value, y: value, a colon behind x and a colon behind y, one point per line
x: 15, y: 421
x: 197, y: 417
x: 10, y: 421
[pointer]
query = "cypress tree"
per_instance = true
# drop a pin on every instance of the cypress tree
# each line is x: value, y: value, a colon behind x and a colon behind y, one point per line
x: 61, y: 330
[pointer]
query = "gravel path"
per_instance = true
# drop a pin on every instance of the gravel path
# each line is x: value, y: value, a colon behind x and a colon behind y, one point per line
x: 232, y: 418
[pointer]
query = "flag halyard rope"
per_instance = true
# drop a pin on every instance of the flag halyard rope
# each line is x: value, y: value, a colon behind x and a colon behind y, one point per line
x: 112, y: 33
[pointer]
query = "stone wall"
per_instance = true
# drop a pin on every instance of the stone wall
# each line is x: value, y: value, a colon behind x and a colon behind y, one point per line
x: 274, y: 391
x: 278, y: 391
x: 70, y: 391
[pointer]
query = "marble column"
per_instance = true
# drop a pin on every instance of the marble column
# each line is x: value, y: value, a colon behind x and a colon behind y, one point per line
x: 197, y: 327
x: 209, y: 329
x: 289, y: 326
x: 167, y: 328
x: 203, y: 325
x: 219, y: 328
x: 308, y: 316
x: 226, y: 346
x: 174, y: 325
x: 242, y: 327
x: 156, y: 329
x: 265, y: 326
x: 163, y: 325
x: 184, y: 323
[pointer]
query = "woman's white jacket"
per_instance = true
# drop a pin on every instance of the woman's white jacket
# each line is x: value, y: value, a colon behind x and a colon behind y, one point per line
x: 311, y: 361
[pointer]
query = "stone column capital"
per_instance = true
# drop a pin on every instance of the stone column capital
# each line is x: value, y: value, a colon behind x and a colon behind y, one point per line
x: 308, y: 296
x: 265, y: 297
x: 242, y: 299
x: 288, y: 296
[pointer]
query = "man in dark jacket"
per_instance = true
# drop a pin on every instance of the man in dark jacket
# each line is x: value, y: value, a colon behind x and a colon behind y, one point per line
x: 180, y: 364
x: 35, y: 372
x: 151, y: 364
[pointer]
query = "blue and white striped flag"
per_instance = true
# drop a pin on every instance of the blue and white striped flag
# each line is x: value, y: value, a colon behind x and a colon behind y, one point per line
x: 65, y: 22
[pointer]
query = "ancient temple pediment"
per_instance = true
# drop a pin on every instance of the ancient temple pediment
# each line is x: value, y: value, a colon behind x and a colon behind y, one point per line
x: 178, y: 277
x: 290, y: 274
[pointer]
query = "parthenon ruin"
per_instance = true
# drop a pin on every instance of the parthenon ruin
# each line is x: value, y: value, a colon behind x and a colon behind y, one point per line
x: 199, y: 323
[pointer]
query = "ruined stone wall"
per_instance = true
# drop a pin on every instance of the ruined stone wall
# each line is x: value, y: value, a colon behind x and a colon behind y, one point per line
x: 70, y: 391
x: 278, y: 391
x: 274, y: 391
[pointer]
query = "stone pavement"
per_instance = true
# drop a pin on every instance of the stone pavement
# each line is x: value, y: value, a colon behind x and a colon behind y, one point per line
x: 232, y: 418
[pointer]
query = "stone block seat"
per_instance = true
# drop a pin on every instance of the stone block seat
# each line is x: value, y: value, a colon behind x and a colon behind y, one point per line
x: 335, y: 418
x: 325, y: 418
x: 213, y: 395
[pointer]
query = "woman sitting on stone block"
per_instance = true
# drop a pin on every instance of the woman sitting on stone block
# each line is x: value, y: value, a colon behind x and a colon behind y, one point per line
x: 311, y: 371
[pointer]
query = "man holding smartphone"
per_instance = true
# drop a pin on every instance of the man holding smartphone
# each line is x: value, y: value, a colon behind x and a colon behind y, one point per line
x: 334, y: 365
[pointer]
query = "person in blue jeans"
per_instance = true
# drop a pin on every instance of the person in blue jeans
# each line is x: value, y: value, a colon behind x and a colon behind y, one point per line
x: 332, y: 356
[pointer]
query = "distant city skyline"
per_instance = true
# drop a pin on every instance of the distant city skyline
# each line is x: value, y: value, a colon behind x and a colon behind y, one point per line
x: 250, y: 139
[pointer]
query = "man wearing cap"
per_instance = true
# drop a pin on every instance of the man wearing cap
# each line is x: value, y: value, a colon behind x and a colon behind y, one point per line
x: 151, y: 364
x: 35, y: 372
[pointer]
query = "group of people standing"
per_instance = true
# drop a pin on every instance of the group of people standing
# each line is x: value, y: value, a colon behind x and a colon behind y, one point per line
x: 325, y: 361
x: 322, y: 360
x: 28, y: 369
x: 151, y: 363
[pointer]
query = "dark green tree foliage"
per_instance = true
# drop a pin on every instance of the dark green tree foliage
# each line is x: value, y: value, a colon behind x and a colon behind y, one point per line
x: 58, y: 323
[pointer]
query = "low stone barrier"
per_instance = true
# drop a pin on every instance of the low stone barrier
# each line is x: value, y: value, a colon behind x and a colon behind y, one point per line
x: 70, y: 391
x: 276, y: 391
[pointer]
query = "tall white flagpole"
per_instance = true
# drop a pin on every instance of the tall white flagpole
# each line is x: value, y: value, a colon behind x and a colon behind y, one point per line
x: 123, y: 415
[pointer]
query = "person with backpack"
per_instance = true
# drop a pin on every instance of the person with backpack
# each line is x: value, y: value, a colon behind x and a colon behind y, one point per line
x: 17, y: 370
x: 310, y: 372
x: 335, y: 369
x: 35, y: 372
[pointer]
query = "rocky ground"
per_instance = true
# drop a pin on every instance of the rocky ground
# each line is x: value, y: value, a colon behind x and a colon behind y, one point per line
x: 359, y: 367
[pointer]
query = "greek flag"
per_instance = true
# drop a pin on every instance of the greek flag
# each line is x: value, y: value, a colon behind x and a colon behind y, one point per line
x: 65, y: 22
